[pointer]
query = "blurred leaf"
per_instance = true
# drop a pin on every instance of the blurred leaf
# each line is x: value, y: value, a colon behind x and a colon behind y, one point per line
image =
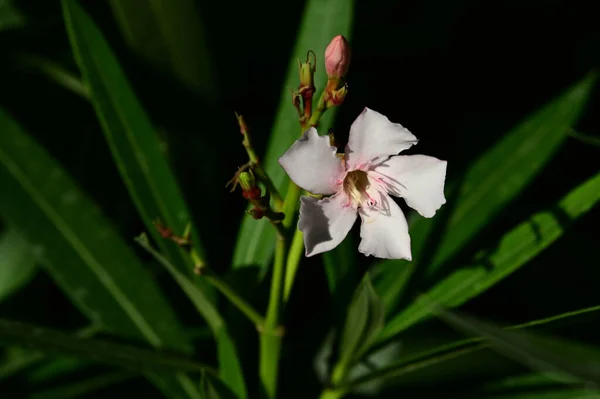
x: 17, y: 263
x: 533, y: 386
x: 514, y: 250
x: 448, y: 351
x: 129, y: 132
x: 342, y: 273
x: 569, y: 393
x: 212, y: 388
x: 80, y: 248
x: 56, y: 367
x: 489, y: 184
x: 84, y: 387
x: 256, y: 239
x: 169, y: 34
x: 17, y: 359
x: 10, y: 17
x: 588, y: 139
x: 55, y: 72
x: 124, y: 356
x: 559, y: 358
x: 364, y: 322
x: 230, y: 368
x: 229, y: 363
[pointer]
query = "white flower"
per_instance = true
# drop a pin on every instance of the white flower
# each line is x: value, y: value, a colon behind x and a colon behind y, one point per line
x: 360, y: 184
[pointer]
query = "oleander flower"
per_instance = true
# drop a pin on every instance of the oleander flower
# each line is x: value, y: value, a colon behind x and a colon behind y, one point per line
x: 360, y: 182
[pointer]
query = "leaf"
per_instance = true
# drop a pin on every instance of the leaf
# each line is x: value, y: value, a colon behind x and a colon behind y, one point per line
x: 212, y: 388
x: 80, y: 248
x: 429, y: 357
x: 169, y: 34
x: 10, y: 17
x: 564, y: 360
x: 364, y: 322
x: 123, y: 356
x: 490, y: 184
x: 17, y: 359
x: 84, y: 387
x: 17, y: 263
x: 341, y: 272
x: 230, y: 368
x: 229, y: 363
x: 514, y: 250
x: 132, y: 139
x: 569, y: 393
x: 55, y: 72
x: 534, y: 386
x: 256, y: 240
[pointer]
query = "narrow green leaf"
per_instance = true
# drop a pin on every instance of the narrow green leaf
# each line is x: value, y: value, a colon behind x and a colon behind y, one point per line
x: 17, y: 359
x: 80, y: 388
x: 230, y: 368
x: 567, y: 361
x: 342, y: 273
x: 514, y: 250
x: 133, y: 141
x: 491, y: 183
x: 17, y: 263
x: 124, y: 356
x: 568, y: 393
x: 364, y: 322
x: 55, y: 72
x: 321, y: 21
x: 451, y: 350
x: 80, y: 248
x: 229, y: 364
x: 212, y: 388
x: 170, y: 35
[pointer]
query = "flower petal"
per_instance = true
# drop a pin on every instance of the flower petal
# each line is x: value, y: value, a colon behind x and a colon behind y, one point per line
x: 384, y: 231
x: 312, y: 164
x: 325, y: 223
x: 419, y: 179
x: 373, y: 138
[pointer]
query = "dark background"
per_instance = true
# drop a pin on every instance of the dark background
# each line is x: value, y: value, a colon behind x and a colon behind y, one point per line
x: 458, y: 74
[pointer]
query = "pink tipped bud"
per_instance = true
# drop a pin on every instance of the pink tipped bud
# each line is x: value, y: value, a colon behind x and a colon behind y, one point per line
x: 337, y: 57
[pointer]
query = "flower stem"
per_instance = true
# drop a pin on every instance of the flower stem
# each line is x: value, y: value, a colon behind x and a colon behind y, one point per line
x: 319, y: 111
x: 209, y: 275
x: 270, y: 339
x: 234, y: 298
x: 262, y: 175
x: 294, y: 255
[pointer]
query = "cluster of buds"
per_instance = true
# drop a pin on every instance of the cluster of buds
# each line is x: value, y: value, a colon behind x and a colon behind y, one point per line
x: 261, y: 203
x: 337, y: 62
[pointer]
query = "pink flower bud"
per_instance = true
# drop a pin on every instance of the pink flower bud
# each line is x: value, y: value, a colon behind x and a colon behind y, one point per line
x: 337, y: 57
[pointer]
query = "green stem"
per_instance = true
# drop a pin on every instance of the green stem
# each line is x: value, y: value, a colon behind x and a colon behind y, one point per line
x: 319, y: 111
x: 270, y: 339
x: 209, y: 275
x: 294, y: 255
x: 235, y: 298
x: 262, y: 175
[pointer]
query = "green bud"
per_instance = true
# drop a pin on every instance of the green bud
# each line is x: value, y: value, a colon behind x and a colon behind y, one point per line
x: 247, y: 180
x: 307, y: 71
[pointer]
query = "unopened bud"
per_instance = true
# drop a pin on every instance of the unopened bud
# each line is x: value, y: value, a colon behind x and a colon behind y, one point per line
x: 247, y: 182
x: 307, y: 71
x: 337, y: 57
